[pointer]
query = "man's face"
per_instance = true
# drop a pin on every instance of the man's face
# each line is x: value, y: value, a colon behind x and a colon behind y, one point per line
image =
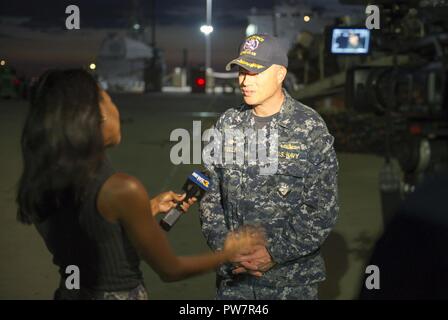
x: 353, y: 39
x: 258, y: 87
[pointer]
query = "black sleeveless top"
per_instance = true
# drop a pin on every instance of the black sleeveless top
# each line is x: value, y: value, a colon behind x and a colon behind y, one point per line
x: 100, y: 249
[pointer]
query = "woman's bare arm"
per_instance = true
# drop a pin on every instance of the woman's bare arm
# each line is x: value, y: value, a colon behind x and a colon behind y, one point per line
x: 123, y: 199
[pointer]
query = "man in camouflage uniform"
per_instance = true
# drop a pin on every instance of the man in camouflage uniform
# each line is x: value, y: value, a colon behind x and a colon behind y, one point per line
x: 297, y: 205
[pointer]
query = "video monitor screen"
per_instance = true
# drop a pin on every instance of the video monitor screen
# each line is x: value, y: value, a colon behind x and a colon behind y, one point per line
x: 350, y: 41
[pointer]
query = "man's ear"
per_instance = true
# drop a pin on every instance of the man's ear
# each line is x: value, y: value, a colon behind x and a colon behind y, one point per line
x: 281, y: 74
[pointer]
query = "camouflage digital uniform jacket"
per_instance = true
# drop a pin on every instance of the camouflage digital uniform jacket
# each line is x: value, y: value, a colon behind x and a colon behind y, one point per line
x: 296, y: 220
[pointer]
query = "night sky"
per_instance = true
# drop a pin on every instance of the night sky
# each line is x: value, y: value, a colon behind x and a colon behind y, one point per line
x: 33, y: 35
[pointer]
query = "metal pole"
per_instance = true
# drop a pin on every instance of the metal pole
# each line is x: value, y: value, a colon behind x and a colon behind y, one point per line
x: 207, y: 37
x: 153, y: 23
x: 274, y: 18
x: 209, y: 12
x: 208, y: 54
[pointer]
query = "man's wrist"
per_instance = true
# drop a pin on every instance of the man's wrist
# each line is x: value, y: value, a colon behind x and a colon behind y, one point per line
x: 154, y: 206
x: 269, y: 250
x: 269, y: 266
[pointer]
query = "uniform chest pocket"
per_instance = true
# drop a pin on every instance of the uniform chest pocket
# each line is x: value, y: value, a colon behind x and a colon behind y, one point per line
x: 286, y: 186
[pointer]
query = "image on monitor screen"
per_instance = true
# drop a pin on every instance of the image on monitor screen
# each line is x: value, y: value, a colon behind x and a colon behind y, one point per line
x: 350, y: 41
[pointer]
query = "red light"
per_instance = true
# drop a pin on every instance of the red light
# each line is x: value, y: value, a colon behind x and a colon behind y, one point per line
x: 415, y: 129
x: 200, y: 82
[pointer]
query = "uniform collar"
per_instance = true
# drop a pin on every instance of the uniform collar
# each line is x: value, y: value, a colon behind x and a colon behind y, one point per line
x: 284, y: 117
x: 287, y: 110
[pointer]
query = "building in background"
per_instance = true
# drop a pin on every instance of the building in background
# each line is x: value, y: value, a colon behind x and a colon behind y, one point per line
x: 131, y: 61
x: 121, y: 63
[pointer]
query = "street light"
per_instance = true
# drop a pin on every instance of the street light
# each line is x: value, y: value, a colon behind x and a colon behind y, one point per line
x: 92, y: 66
x: 306, y: 18
x: 251, y: 29
x: 2, y: 63
x: 207, y: 29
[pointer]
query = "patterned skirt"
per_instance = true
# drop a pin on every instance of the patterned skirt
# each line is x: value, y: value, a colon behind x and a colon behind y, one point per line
x: 138, y: 293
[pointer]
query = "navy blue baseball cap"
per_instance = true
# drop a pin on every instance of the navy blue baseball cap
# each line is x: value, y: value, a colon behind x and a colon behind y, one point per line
x: 258, y: 52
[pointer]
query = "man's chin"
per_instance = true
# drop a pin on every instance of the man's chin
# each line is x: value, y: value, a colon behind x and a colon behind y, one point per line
x: 250, y: 101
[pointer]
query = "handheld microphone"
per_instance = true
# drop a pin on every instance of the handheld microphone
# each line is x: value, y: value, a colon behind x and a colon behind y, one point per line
x: 195, y: 186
